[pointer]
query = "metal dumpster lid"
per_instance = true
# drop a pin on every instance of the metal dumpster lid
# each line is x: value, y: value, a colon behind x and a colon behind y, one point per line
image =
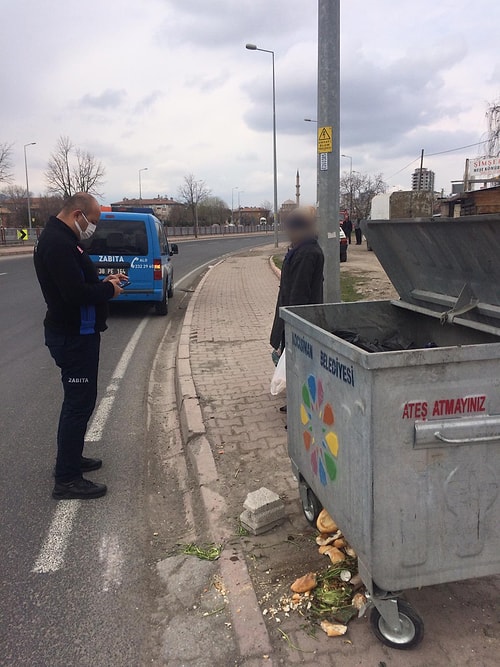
x: 449, y: 266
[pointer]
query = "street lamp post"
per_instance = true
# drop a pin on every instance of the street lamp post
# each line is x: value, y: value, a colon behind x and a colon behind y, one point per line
x: 348, y: 157
x: 232, y: 203
x: 240, y: 192
x: 253, y: 47
x: 33, y: 143
x: 140, y: 181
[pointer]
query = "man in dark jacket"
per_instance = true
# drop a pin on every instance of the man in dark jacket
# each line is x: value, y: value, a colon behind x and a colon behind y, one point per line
x: 302, y: 271
x: 76, y: 314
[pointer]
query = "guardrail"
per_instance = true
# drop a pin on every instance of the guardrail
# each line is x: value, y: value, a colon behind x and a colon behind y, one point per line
x: 220, y: 230
x: 13, y: 237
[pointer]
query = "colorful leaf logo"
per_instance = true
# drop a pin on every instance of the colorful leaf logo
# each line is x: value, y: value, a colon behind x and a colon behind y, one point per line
x: 320, y: 441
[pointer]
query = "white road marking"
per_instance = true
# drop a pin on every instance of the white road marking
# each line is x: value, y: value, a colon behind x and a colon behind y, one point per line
x: 101, y: 415
x: 3, y: 274
x: 110, y: 554
x: 51, y: 556
x: 210, y: 264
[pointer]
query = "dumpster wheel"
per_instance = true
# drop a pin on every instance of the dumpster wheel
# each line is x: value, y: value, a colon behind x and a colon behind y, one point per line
x: 310, y: 504
x: 410, y: 634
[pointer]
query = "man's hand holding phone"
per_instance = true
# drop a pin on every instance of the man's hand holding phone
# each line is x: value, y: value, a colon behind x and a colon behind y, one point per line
x: 119, y: 281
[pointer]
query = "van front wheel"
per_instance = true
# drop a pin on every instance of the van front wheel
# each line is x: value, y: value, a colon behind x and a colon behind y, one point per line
x: 161, y: 307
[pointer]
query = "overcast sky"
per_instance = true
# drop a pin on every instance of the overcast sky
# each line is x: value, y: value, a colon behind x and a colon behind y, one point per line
x: 169, y: 85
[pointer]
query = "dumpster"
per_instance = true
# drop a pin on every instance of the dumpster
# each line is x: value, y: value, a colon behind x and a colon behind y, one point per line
x: 394, y: 414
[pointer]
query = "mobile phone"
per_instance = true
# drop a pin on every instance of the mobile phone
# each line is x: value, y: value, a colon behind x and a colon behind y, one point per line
x: 124, y: 283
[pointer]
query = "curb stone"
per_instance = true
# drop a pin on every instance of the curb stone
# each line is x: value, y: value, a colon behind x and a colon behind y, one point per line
x: 274, y: 268
x: 248, y: 624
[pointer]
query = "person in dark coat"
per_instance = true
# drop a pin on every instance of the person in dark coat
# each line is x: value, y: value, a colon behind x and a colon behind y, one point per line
x: 302, y: 271
x: 77, y: 307
x: 358, y: 232
x: 347, y: 227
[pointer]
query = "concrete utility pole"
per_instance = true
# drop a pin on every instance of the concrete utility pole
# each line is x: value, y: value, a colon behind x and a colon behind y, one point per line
x: 329, y: 143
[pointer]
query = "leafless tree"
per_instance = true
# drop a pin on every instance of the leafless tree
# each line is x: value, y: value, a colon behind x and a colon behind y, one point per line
x: 88, y: 172
x: 48, y: 205
x: 71, y: 170
x: 5, y: 163
x: 193, y: 193
x: 362, y: 187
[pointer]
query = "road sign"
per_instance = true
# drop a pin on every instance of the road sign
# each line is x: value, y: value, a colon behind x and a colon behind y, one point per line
x: 325, y: 141
x: 22, y: 234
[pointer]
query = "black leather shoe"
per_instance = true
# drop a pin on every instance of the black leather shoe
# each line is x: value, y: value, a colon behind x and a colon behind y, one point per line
x: 79, y: 488
x: 87, y: 464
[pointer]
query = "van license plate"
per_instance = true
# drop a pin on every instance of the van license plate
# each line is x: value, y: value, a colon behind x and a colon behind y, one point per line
x: 108, y: 271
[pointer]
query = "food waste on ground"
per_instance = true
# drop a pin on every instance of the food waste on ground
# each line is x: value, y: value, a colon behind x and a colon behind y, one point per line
x: 332, y: 597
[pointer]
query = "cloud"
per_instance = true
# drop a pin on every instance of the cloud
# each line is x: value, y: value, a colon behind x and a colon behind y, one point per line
x: 108, y: 99
x: 229, y: 24
x: 148, y: 101
x: 177, y: 91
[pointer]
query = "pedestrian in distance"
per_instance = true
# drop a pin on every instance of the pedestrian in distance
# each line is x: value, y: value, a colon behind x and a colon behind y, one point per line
x: 77, y: 305
x: 302, y: 271
x: 357, y: 231
x: 347, y: 226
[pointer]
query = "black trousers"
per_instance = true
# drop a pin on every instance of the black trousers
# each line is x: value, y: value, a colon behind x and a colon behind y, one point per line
x: 78, y: 359
x: 359, y: 235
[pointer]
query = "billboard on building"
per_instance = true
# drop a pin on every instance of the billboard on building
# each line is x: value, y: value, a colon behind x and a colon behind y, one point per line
x: 488, y: 167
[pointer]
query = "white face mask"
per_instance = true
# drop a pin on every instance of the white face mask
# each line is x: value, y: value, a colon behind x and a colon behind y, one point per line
x: 87, y: 233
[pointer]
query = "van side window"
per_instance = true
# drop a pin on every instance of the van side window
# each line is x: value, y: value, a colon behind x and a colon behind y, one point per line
x: 161, y: 238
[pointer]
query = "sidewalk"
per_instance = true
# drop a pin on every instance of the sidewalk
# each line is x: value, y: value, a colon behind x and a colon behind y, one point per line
x: 12, y: 250
x: 227, y: 333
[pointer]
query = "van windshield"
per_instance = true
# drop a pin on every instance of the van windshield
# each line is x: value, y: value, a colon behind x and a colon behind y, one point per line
x: 118, y: 237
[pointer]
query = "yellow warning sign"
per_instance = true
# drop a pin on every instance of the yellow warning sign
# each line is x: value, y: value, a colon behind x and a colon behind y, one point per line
x: 22, y: 234
x: 325, y: 140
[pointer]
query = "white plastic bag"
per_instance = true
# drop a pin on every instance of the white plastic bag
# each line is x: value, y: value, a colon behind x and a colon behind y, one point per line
x: 278, y: 383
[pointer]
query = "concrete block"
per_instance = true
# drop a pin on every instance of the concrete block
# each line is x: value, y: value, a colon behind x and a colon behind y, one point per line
x: 248, y: 523
x: 261, y: 500
x: 264, y: 510
x: 263, y: 518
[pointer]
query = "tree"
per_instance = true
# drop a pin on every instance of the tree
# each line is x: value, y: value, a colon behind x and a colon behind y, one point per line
x: 213, y: 211
x: 5, y: 163
x: 15, y: 200
x: 178, y: 216
x: 193, y: 193
x: 48, y: 205
x: 364, y: 187
x: 72, y: 170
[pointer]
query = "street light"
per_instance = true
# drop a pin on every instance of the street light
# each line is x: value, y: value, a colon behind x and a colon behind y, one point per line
x: 140, y: 181
x: 310, y: 120
x: 240, y: 192
x: 33, y: 143
x: 232, y: 202
x: 348, y: 157
x: 253, y: 47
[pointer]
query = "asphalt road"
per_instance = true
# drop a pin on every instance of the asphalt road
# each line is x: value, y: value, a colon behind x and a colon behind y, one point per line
x: 75, y: 585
